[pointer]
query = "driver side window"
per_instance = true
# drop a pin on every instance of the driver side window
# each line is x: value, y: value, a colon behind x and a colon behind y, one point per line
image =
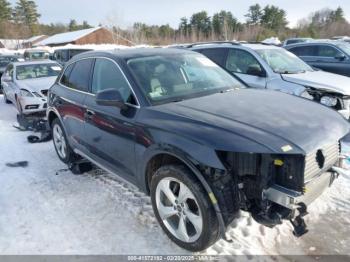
x: 107, y: 75
x: 327, y: 51
x: 240, y: 61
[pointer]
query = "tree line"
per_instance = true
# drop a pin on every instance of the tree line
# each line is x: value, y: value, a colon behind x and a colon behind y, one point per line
x: 260, y: 23
x: 22, y: 21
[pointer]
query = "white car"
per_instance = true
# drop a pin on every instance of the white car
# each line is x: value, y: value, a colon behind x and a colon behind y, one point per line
x: 26, y: 84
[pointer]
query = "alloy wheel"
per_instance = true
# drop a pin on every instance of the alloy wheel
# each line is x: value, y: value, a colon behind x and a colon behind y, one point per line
x: 179, y: 210
x: 59, y: 141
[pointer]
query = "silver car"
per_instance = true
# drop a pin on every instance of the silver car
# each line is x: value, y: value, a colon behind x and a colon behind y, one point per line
x: 26, y: 84
x: 272, y: 67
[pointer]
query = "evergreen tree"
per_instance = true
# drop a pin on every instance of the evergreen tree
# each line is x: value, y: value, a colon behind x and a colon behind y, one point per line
x: 224, y: 23
x: 5, y: 10
x: 337, y: 15
x: 73, y: 25
x: 274, y: 18
x: 254, y: 15
x: 26, y: 14
x: 201, y: 23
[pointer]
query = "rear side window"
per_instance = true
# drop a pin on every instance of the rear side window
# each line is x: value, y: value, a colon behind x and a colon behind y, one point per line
x: 79, y: 76
x: 304, y: 50
x: 66, y: 74
x: 218, y: 55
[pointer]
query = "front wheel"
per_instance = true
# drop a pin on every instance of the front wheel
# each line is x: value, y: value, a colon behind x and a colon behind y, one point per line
x: 183, y: 208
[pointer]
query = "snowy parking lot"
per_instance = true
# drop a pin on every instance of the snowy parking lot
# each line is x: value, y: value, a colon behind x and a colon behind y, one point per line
x: 45, y: 209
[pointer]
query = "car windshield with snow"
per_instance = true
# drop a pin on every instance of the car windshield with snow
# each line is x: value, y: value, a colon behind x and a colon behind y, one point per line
x: 272, y: 67
x: 188, y: 133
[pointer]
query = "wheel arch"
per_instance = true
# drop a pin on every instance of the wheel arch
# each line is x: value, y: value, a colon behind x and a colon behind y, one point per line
x: 161, y: 157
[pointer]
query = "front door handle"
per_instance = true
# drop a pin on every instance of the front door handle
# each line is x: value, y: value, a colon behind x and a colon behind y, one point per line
x: 89, y: 114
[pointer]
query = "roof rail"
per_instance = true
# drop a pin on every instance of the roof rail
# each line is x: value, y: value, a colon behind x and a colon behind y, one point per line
x: 213, y: 42
x: 259, y: 42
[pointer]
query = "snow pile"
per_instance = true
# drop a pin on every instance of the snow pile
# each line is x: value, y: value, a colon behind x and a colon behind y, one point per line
x: 272, y: 41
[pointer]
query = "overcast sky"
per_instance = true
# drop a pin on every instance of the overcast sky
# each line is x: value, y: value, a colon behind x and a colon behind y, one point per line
x: 126, y: 12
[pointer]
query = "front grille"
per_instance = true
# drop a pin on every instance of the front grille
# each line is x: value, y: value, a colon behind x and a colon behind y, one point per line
x: 320, y: 160
x: 44, y: 92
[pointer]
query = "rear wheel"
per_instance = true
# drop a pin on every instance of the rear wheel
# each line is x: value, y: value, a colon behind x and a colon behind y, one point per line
x: 63, y: 150
x: 183, y: 209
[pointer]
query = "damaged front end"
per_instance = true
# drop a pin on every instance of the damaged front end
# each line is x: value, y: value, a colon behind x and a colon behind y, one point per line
x: 275, y: 187
x: 332, y: 99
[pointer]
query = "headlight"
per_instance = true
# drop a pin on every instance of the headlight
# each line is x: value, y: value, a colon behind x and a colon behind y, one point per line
x: 328, y: 101
x: 25, y: 93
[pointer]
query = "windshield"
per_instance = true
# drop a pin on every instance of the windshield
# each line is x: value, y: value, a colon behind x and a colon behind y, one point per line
x: 37, y: 71
x: 177, y: 77
x: 344, y: 46
x: 37, y: 55
x: 283, y: 62
x: 5, y: 60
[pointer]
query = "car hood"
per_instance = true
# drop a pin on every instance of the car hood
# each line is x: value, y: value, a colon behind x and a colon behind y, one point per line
x: 321, y: 80
x: 37, y: 84
x: 250, y: 120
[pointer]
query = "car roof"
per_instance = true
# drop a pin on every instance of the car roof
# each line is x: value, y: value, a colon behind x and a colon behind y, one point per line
x: 261, y: 46
x: 133, y: 53
x: 315, y: 42
x: 299, y: 38
x: 34, y: 62
x: 253, y: 46
x: 35, y: 50
x: 73, y: 48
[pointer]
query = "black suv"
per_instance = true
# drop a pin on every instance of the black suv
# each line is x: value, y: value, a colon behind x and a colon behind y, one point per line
x: 201, y: 144
x: 330, y: 56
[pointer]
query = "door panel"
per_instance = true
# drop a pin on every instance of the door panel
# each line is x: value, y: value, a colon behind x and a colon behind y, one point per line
x: 239, y: 63
x: 70, y: 99
x: 110, y: 135
x: 110, y: 131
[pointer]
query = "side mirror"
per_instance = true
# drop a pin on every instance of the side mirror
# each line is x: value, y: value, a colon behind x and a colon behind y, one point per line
x: 340, y: 57
x: 256, y: 70
x: 6, y: 78
x: 110, y: 97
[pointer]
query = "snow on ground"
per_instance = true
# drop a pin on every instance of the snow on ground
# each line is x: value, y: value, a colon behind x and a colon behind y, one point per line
x: 95, y: 213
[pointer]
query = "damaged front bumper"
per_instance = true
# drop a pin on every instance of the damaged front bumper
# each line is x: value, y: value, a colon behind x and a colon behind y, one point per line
x: 291, y: 199
x: 297, y: 202
x: 33, y: 104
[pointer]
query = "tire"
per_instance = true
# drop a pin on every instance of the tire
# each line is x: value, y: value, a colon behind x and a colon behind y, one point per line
x: 5, y: 98
x: 174, y: 214
x: 59, y: 138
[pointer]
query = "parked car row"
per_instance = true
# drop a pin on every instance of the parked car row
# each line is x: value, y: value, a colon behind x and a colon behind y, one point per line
x: 186, y: 127
x: 271, y: 67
